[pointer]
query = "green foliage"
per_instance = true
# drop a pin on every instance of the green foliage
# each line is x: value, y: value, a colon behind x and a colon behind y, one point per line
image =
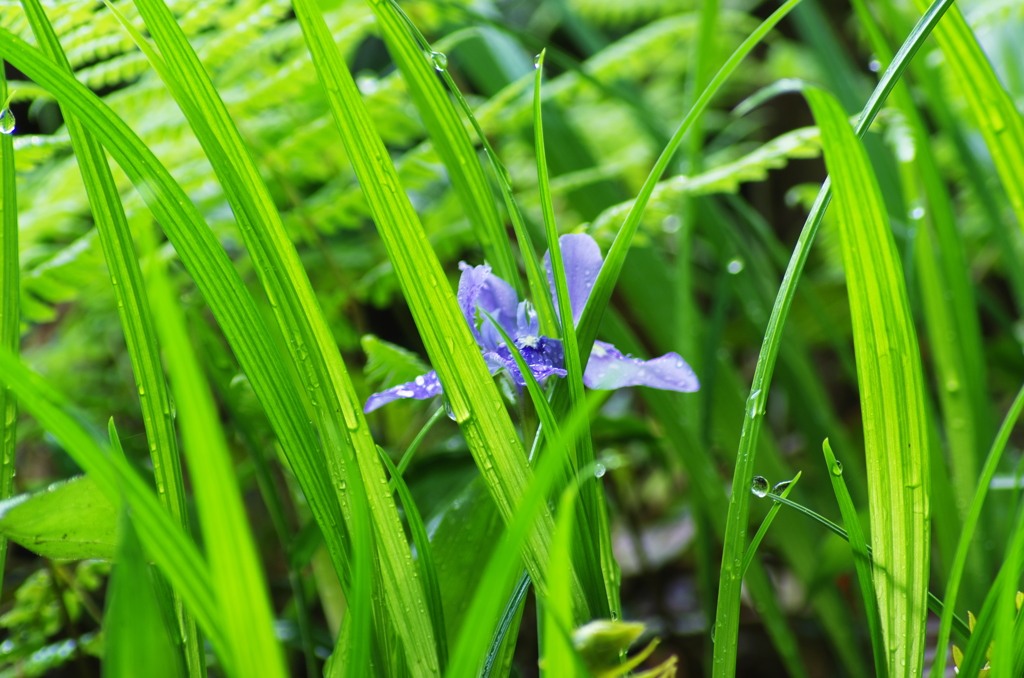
x: 70, y: 520
x: 319, y: 169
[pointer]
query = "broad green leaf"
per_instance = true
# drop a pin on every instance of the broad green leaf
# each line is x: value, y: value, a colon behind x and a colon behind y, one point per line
x: 235, y: 567
x: 474, y: 399
x: 891, y: 390
x: 727, y: 615
x: 69, y: 520
x: 165, y: 542
x: 135, y: 315
x: 10, y: 312
x: 136, y: 639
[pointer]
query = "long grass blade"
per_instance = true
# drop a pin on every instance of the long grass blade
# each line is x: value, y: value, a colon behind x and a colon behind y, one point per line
x: 592, y: 534
x: 235, y: 567
x: 136, y: 318
x: 727, y: 618
x: 988, y: 471
x: 342, y: 426
x: 991, y: 106
x: 471, y: 392
x: 10, y: 312
x: 450, y: 139
x: 166, y: 543
x: 861, y: 559
x: 891, y: 388
x: 215, y: 276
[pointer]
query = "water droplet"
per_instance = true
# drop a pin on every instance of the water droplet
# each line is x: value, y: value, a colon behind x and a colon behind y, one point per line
x: 734, y: 266
x: 952, y: 385
x: 781, y: 487
x: 837, y: 468
x: 714, y: 627
x: 759, y: 486
x: 599, y: 470
x: 448, y: 409
x: 7, y: 121
x: 755, y: 404
x: 917, y: 213
x: 440, y: 60
x: 536, y: 61
x: 142, y: 391
x: 671, y: 223
x: 874, y: 65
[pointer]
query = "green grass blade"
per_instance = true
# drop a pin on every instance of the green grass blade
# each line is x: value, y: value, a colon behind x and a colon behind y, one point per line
x: 602, y: 291
x: 474, y: 638
x: 235, y: 566
x: 468, y: 385
x: 450, y: 140
x: 970, y: 525
x: 136, y: 318
x: 10, y: 312
x: 166, y: 543
x: 993, y: 110
x: 748, y: 557
x: 425, y: 558
x: 960, y: 629
x: 739, y: 505
x: 891, y: 388
x: 342, y: 426
x: 559, y: 657
x: 592, y: 535
x: 504, y: 639
x: 136, y: 639
x: 215, y: 276
x: 861, y: 559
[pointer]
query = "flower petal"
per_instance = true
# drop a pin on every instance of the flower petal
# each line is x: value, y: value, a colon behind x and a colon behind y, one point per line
x: 582, y: 259
x: 543, y: 355
x: 479, y: 287
x: 609, y: 369
x: 421, y: 388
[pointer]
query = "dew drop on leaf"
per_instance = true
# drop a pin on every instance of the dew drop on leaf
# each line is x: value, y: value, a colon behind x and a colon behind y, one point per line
x: 6, y: 121
x: 759, y: 486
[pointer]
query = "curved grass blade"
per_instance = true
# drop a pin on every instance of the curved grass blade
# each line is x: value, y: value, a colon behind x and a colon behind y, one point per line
x: 993, y: 110
x: 510, y: 617
x: 473, y: 641
x: 235, y: 567
x: 592, y: 532
x: 342, y: 426
x: 861, y: 559
x: 215, y: 276
x: 410, y: 452
x: 450, y: 139
x: 891, y: 384
x: 748, y: 557
x: 135, y: 315
x: 559, y: 656
x: 970, y: 524
x: 468, y: 385
x: 727, y: 618
x: 960, y: 629
x: 10, y: 312
x: 165, y: 542
x: 425, y: 558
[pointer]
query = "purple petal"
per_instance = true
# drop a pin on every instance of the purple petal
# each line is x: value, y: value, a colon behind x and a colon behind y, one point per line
x: 544, y: 357
x: 478, y: 287
x: 421, y: 388
x: 582, y: 260
x: 609, y: 369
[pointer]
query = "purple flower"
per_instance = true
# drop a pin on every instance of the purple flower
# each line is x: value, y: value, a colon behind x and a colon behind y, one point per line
x: 607, y: 367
